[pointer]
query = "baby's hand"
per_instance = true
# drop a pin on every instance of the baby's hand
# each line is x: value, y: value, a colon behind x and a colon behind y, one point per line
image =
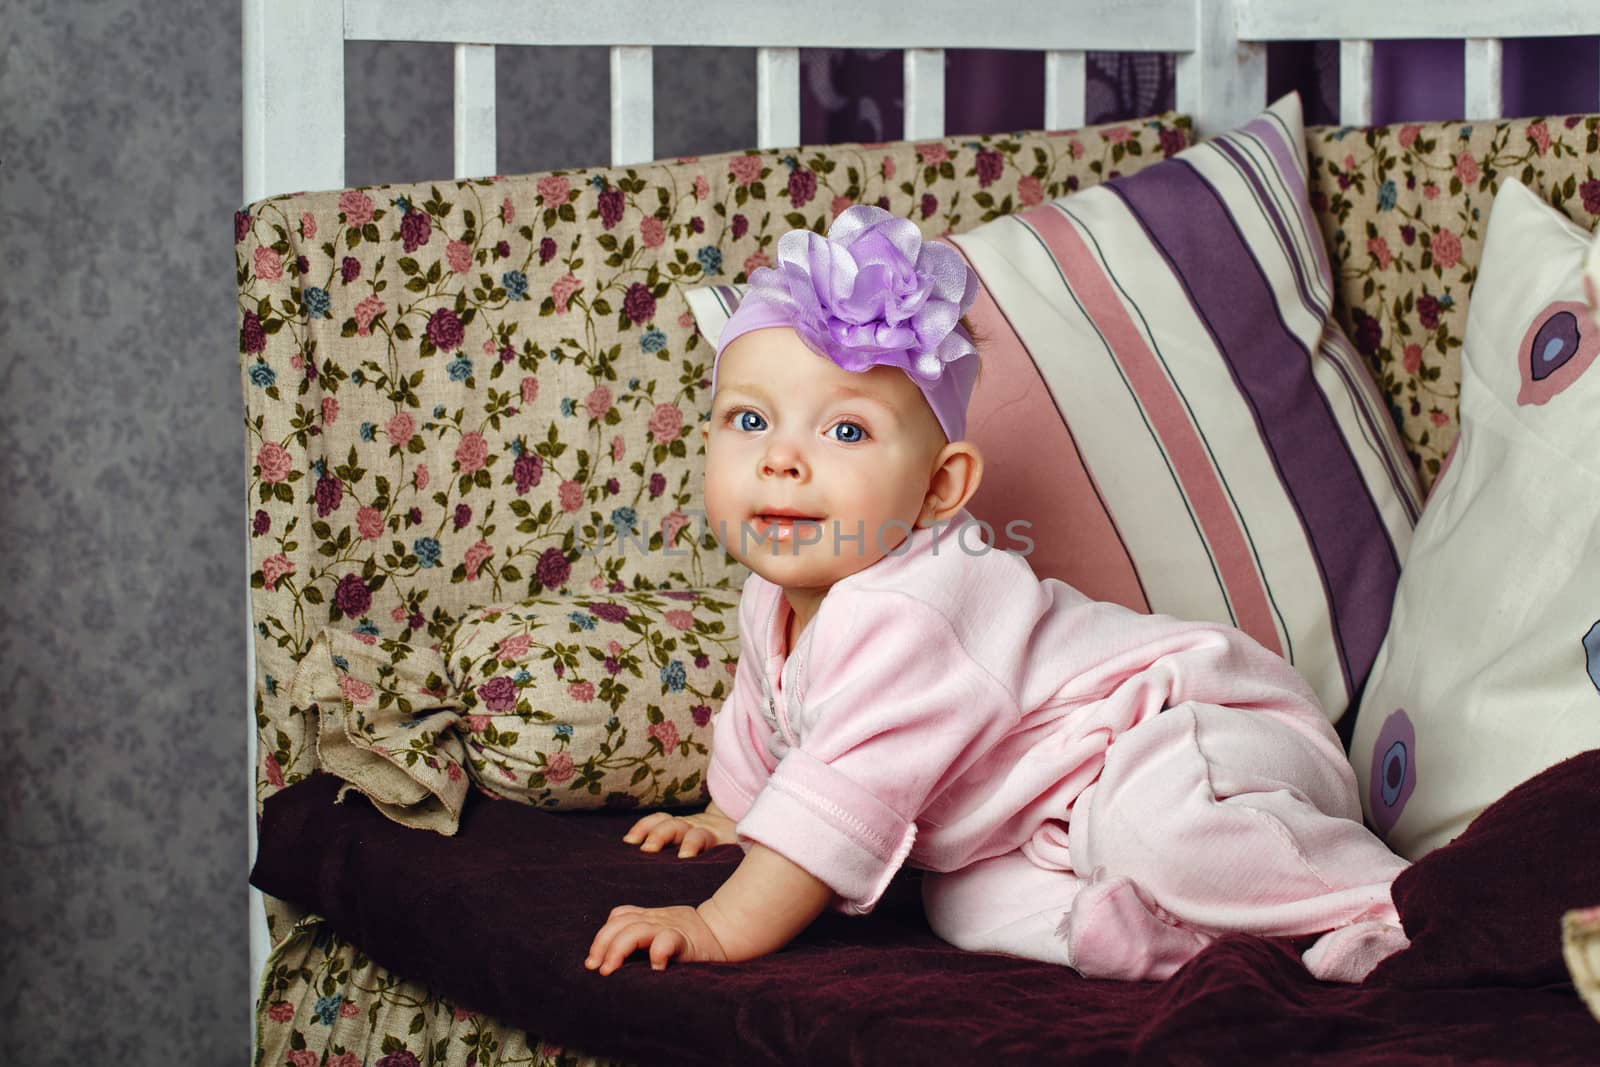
x: 693, y: 834
x: 669, y: 933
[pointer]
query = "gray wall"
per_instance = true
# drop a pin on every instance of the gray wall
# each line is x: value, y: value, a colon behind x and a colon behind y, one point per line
x: 123, y: 784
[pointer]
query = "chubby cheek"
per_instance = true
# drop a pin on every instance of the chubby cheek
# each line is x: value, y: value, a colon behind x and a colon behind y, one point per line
x: 718, y: 504
x: 885, y: 496
x: 723, y: 498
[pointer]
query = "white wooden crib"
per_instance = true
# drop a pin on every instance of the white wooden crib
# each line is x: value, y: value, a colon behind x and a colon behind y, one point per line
x: 294, y: 76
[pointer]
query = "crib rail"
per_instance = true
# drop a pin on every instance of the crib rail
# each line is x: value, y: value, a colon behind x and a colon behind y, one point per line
x: 294, y: 105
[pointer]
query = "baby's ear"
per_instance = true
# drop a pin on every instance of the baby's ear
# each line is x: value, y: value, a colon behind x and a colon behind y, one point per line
x: 957, y: 472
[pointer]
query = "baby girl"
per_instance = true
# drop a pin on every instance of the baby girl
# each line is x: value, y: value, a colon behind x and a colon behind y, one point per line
x: 1080, y: 783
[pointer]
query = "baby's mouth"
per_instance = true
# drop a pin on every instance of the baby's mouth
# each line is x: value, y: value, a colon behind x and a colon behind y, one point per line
x: 781, y: 525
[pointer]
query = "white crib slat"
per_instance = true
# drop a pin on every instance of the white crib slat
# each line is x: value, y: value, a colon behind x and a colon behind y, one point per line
x: 777, y: 97
x: 1223, y: 82
x: 1483, y: 78
x: 293, y: 96
x: 475, y: 103
x: 292, y: 55
x: 1065, y: 89
x: 924, y: 93
x: 633, y: 132
x: 1355, y: 83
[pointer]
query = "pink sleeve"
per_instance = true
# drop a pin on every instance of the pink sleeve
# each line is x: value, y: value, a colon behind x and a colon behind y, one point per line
x: 740, y: 759
x: 895, y: 708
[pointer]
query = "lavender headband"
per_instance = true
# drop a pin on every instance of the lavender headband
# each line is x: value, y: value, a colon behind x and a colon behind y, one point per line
x: 872, y: 294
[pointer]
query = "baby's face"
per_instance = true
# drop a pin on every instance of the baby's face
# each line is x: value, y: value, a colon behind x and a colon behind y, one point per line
x: 802, y: 456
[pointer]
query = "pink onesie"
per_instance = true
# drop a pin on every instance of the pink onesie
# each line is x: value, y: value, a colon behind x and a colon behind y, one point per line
x: 1085, y: 784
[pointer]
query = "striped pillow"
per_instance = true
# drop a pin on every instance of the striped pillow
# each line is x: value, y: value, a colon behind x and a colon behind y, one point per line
x: 1167, y: 400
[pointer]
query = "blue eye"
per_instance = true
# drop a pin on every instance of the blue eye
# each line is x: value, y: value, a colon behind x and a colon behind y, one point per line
x: 849, y: 433
x: 749, y: 420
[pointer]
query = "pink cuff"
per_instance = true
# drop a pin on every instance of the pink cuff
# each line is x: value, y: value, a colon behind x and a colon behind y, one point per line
x: 839, y: 832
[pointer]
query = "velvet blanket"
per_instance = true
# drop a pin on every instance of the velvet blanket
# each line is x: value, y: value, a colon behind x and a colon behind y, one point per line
x: 1483, y: 981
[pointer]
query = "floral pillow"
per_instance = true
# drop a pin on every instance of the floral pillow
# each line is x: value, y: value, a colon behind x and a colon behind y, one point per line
x: 543, y: 686
x: 527, y: 702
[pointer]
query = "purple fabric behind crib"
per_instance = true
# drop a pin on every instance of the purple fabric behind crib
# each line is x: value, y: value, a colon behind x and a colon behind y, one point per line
x: 855, y: 95
x: 497, y: 919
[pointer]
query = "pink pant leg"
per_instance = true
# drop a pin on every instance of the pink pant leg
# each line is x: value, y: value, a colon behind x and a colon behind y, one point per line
x: 1005, y: 904
x: 1013, y: 905
x: 1229, y: 820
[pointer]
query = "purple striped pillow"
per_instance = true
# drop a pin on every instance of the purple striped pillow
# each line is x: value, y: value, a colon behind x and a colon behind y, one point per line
x: 1168, y: 400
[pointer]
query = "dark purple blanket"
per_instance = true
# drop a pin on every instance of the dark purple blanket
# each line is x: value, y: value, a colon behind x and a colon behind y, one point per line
x: 1483, y: 981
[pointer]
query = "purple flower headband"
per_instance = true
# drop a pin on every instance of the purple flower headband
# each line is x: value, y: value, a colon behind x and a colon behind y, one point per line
x: 872, y: 294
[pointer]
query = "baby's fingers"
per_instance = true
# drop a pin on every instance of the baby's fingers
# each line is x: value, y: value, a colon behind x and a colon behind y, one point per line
x: 635, y: 935
x: 695, y: 841
x: 620, y: 917
x: 667, y: 944
x: 637, y: 832
x: 664, y: 834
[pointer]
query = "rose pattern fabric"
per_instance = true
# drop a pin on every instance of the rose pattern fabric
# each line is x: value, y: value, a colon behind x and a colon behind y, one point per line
x: 305, y: 1017
x: 595, y: 701
x: 465, y: 393
x: 1403, y: 210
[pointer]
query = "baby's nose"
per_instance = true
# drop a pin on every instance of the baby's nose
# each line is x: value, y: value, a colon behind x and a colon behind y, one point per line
x: 783, y: 461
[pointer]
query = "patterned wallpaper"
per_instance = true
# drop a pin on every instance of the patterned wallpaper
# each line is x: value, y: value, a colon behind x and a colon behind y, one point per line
x: 122, y: 797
